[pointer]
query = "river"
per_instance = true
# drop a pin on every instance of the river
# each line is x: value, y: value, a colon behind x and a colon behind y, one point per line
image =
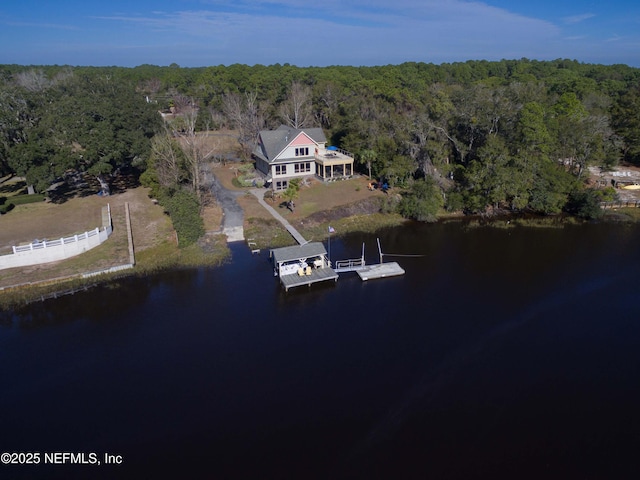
x: 501, y: 353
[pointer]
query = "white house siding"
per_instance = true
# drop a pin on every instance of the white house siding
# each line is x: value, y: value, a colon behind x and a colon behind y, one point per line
x: 290, y: 171
x: 289, y: 153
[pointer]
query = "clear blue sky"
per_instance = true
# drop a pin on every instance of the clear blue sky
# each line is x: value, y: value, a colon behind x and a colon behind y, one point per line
x: 315, y: 32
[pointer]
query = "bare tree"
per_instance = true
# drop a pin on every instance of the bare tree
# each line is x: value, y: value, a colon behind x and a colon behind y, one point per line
x: 195, y: 147
x: 328, y: 105
x: 168, y: 159
x: 33, y: 80
x: 245, y: 116
x: 296, y: 109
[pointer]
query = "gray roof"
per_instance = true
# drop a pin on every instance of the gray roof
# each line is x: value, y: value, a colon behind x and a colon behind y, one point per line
x: 275, y: 141
x: 298, y: 252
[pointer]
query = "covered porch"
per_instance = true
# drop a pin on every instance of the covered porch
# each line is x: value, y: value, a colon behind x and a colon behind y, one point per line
x: 333, y: 163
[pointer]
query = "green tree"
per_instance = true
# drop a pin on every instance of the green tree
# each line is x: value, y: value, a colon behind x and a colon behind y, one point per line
x: 398, y: 171
x: 626, y: 123
x: 292, y: 191
x: 533, y: 133
x: 551, y: 187
x: 585, y: 203
x: 580, y: 136
x: 14, y: 119
x: 89, y: 124
x: 422, y: 201
x: 367, y: 157
x: 491, y: 177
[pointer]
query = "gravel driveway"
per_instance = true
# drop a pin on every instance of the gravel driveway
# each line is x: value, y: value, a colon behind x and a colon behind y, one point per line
x: 233, y: 215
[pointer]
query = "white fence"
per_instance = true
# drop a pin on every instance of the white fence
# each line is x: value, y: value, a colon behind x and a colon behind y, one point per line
x: 54, y: 250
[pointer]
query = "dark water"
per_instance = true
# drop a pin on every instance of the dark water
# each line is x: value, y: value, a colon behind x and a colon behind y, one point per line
x: 502, y: 353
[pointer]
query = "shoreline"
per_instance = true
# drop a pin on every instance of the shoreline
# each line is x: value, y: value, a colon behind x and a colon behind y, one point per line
x: 312, y: 226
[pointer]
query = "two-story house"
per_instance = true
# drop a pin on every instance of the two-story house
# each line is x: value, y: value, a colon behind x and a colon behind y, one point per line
x: 287, y: 153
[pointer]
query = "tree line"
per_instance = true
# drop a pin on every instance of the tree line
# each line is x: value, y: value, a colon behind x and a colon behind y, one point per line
x: 478, y: 136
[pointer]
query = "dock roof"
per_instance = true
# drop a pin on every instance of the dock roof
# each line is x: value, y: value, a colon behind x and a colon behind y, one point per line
x: 298, y: 252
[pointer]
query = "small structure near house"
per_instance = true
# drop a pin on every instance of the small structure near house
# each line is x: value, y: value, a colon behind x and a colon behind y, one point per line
x: 302, y: 265
x: 287, y: 153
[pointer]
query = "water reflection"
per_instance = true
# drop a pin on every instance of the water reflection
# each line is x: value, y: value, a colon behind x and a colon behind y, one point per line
x: 102, y: 302
x: 496, y: 348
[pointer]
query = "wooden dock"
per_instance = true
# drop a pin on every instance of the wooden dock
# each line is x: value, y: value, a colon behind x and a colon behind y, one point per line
x: 308, y: 263
x: 316, y: 275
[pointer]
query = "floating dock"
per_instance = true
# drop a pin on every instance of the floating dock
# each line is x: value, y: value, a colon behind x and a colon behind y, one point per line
x: 381, y: 270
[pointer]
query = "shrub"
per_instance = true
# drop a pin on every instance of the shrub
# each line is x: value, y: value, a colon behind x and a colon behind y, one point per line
x: 584, y: 204
x: 25, y: 199
x: 422, y: 201
x: 149, y: 179
x: 184, y: 209
x: 6, y: 208
x: 455, y: 202
x: 607, y: 194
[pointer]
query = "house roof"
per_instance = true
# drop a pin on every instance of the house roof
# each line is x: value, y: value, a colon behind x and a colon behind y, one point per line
x: 275, y: 141
x: 298, y: 252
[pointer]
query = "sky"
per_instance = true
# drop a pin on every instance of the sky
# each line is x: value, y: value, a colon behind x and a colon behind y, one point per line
x: 194, y: 33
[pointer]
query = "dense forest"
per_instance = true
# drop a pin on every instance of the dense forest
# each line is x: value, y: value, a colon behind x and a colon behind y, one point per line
x: 478, y: 136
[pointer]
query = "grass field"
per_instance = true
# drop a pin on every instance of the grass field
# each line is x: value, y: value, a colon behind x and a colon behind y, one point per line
x: 150, y: 227
x: 348, y: 205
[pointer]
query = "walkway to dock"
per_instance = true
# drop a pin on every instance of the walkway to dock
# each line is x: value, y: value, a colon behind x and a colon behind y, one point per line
x: 364, y: 271
x: 259, y: 194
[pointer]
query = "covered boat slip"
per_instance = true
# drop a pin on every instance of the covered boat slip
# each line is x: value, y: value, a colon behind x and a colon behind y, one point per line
x: 308, y: 263
x: 302, y: 265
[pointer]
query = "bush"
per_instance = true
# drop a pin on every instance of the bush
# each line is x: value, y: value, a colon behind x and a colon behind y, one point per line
x: 455, y: 202
x: 584, y: 204
x: 422, y: 201
x: 25, y: 199
x: 6, y: 208
x: 184, y: 209
x: 149, y: 179
x: 607, y: 194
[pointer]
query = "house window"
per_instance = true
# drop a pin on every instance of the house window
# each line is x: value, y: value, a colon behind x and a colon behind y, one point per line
x: 302, y: 152
x: 304, y: 167
x: 281, y: 169
x: 281, y: 185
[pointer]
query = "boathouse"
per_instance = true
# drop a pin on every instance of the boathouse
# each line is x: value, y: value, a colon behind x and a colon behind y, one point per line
x: 302, y: 265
